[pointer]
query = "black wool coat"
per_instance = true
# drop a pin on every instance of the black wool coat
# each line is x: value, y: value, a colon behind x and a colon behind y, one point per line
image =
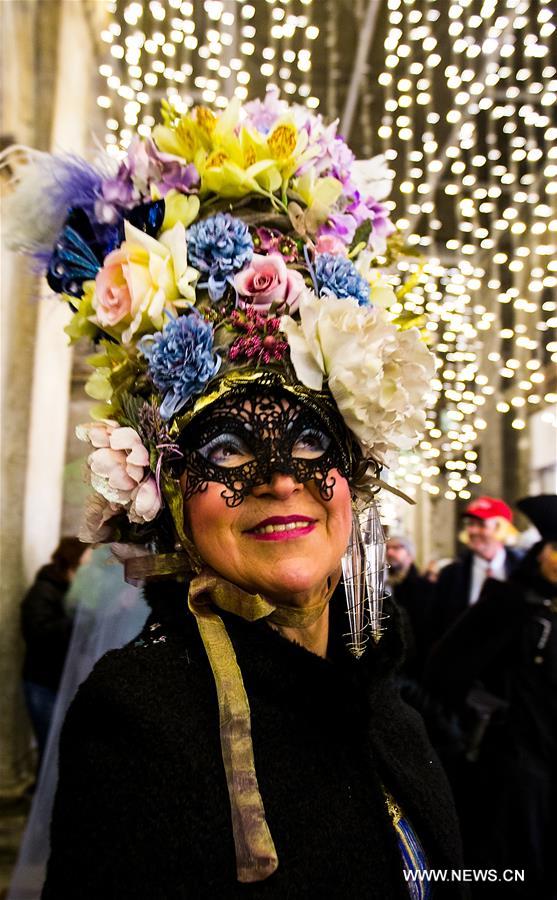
x: 450, y: 596
x: 414, y: 596
x: 503, y: 652
x: 142, y: 809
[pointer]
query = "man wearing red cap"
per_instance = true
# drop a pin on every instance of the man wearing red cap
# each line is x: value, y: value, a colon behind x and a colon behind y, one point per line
x: 496, y: 672
x: 488, y: 526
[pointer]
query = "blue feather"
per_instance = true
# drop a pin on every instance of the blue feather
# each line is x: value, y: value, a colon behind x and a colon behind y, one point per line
x: 77, y: 255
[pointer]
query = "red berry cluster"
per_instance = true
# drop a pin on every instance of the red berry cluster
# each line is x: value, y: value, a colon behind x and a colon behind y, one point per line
x: 260, y: 340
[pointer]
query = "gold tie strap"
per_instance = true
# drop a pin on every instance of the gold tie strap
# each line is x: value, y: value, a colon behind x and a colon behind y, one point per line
x: 256, y: 857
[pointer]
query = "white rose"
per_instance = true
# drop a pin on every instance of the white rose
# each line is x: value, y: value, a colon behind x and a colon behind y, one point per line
x: 377, y: 375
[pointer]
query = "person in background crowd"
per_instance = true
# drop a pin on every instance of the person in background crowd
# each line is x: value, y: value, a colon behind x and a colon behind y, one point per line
x: 412, y: 594
x: 434, y: 568
x: 497, y: 669
x: 488, y: 528
x: 47, y: 628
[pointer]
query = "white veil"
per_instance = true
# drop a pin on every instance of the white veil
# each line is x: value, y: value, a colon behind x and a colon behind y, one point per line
x: 108, y: 614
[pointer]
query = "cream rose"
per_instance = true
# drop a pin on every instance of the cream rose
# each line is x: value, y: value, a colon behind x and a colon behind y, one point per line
x: 143, y: 278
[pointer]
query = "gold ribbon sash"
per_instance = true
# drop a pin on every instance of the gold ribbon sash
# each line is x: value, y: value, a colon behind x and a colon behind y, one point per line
x: 256, y: 857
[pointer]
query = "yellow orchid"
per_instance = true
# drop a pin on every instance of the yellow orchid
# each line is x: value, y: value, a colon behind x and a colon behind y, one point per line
x: 239, y: 162
x: 237, y: 166
x: 288, y: 147
x: 191, y: 133
x: 225, y: 177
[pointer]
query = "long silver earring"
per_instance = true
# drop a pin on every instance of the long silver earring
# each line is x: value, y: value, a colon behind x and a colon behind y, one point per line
x: 374, y: 541
x: 363, y: 571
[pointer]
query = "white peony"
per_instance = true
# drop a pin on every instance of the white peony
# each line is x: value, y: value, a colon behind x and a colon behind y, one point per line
x: 378, y: 375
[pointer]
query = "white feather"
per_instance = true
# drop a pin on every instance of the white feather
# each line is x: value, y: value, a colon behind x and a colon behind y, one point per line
x: 33, y: 218
x: 28, y: 209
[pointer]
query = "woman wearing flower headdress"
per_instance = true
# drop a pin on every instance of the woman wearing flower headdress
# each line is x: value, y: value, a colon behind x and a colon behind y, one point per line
x: 252, y: 385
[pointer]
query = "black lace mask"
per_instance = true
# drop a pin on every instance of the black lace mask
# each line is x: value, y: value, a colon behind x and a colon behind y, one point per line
x: 242, y: 440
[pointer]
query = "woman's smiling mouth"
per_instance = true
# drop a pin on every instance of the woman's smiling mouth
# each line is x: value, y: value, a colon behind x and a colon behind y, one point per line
x: 280, y: 528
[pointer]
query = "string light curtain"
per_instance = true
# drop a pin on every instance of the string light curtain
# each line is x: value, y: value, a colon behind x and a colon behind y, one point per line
x: 461, y: 96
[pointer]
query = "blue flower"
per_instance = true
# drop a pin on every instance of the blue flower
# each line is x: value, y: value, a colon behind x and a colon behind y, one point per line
x: 219, y: 246
x: 181, y: 360
x: 338, y: 276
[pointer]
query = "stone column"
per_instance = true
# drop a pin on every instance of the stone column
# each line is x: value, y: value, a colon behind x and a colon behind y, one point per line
x: 23, y: 54
x: 48, y: 71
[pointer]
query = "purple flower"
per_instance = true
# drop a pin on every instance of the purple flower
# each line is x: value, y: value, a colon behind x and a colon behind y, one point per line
x: 344, y: 224
x: 181, y: 360
x: 271, y: 240
x: 381, y: 227
x: 341, y: 225
x: 166, y: 171
x: 336, y: 159
x: 262, y: 115
x: 219, y: 246
x: 145, y: 166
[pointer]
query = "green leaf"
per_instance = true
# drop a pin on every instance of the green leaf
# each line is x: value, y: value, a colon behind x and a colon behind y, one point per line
x: 362, y: 234
x: 100, y: 411
x: 98, y: 385
x: 409, y: 319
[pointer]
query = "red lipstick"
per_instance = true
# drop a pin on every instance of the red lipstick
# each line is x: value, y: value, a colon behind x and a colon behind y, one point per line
x: 282, y: 528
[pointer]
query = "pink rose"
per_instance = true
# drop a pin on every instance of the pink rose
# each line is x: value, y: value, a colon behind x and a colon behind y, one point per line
x: 267, y: 282
x: 330, y: 243
x: 112, y: 294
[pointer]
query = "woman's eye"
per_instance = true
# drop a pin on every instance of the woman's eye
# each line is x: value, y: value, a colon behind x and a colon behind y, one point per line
x: 311, y: 444
x: 227, y: 450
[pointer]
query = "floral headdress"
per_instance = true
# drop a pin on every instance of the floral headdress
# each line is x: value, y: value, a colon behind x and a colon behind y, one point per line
x: 225, y: 251
x: 223, y: 246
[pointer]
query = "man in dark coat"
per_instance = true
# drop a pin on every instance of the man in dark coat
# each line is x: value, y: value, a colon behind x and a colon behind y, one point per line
x: 412, y: 593
x: 488, y: 522
x: 497, y: 669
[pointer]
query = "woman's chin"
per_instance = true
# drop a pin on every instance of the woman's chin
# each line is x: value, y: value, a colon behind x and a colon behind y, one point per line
x: 292, y: 585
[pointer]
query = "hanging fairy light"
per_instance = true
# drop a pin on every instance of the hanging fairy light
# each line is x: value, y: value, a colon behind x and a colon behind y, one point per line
x: 464, y: 108
x: 476, y: 176
x: 199, y: 51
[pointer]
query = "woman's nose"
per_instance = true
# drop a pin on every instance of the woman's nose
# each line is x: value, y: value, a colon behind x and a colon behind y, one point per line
x: 280, y: 485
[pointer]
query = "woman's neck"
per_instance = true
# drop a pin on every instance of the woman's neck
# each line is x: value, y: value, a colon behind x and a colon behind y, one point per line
x: 314, y: 637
